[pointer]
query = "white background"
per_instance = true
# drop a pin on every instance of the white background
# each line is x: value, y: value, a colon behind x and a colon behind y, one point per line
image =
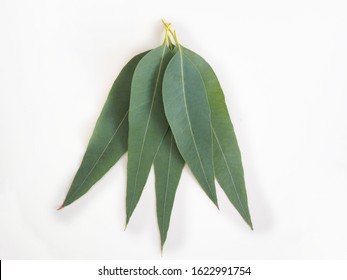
x: 283, y: 68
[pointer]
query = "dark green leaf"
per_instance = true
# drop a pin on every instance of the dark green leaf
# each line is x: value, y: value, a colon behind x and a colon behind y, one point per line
x: 168, y: 166
x: 188, y: 113
x: 227, y: 156
x: 109, y: 140
x: 147, y: 122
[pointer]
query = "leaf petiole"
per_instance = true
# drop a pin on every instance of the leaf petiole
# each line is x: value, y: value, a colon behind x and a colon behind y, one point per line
x: 173, y: 34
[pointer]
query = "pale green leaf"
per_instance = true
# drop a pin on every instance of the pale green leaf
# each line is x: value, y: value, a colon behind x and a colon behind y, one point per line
x: 109, y: 140
x: 147, y: 122
x: 188, y: 113
x: 168, y: 166
x: 227, y: 156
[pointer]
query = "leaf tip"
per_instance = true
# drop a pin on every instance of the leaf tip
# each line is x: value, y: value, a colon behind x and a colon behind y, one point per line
x: 250, y: 225
x: 248, y: 220
x: 126, y: 223
x: 162, y: 248
x: 61, y: 207
x: 215, y: 201
x: 214, y: 198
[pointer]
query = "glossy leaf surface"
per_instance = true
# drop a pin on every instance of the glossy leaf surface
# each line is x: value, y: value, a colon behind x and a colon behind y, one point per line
x: 109, y: 140
x: 147, y: 122
x: 168, y: 166
x: 227, y: 156
x: 188, y: 113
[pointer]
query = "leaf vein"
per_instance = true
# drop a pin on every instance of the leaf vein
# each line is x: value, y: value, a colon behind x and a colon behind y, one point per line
x: 167, y: 184
x: 190, y: 125
x: 102, y: 153
x: 231, y: 176
x: 147, y: 125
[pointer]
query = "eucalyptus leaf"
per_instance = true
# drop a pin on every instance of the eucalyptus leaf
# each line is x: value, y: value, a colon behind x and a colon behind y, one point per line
x: 168, y: 166
x: 147, y: 122
x: 227, y: 156
x: 166, y: 107
x: 187, y: 111
x: 109, y: 140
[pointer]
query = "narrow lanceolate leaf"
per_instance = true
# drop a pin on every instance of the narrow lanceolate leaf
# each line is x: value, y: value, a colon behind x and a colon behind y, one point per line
x: 109, y: 140
x: 168, y: 166
x: 187, y: 110
x: 147, y: 122
x: 227, y: 156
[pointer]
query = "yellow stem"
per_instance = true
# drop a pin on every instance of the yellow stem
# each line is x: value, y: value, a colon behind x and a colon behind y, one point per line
x: 173, y: 33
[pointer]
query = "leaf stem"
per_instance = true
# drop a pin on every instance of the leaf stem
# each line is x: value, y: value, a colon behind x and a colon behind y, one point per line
x: 167, y: 28
x: 175, y: 38
x: 173, y: 34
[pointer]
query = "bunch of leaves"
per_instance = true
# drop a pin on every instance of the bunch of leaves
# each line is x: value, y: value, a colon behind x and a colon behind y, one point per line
x: 166, y: 108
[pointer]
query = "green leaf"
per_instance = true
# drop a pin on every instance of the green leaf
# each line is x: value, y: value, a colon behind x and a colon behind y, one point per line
x: 168, y: 166
x: 109, y: 140
x: 187, y: 110
x: 227, y: 156
x: 147, y: 122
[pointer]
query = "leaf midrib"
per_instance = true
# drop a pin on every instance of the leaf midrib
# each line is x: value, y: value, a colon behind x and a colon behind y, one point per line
x: 231, y: 176
x: 224, y: 158
x: 190, y: 125
x: 167, y: 185
x: 102, y: 153
x: 147, y: 125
